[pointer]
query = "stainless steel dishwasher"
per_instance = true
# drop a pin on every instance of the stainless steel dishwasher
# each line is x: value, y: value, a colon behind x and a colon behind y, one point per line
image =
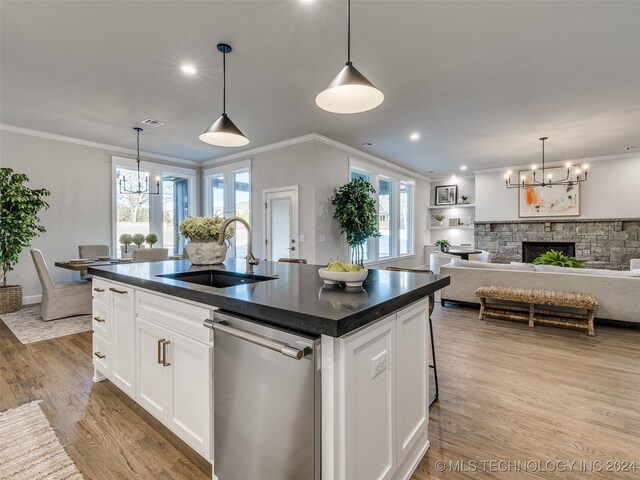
x: 266, y: 401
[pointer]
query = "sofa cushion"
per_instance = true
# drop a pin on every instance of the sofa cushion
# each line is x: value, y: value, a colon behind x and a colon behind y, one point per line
x: 526, y: 267
x: 587, y: 271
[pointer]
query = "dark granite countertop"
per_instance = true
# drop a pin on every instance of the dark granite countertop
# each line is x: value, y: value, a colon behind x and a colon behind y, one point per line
x: 296, y: 299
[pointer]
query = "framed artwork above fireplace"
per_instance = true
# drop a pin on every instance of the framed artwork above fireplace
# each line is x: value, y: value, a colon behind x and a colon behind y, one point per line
x: 553, y: 201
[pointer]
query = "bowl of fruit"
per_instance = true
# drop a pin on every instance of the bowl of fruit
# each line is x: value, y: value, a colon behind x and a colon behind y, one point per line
x: 337, y: 272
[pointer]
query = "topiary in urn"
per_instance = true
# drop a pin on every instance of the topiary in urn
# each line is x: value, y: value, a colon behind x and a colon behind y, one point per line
x: 202, y: 233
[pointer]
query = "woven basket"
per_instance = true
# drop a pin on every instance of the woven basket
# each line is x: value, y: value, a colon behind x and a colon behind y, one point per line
x: 10, y: 298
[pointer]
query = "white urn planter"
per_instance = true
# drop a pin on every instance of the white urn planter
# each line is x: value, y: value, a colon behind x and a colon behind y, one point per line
x: 205, y: 252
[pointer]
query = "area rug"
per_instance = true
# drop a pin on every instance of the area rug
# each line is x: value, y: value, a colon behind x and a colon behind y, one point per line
x: 27, y: 325
x: 29, y: 448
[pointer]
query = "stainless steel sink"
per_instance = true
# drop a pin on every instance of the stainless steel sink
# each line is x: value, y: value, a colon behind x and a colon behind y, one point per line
x: 217, y: 278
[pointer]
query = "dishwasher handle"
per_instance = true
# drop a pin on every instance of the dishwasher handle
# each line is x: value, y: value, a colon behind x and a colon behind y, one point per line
x: 280, y: 347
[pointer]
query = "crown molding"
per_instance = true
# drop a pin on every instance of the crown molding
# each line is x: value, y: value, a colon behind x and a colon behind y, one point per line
x: 617, y: 156
x: 320, y: 138
x: 88, y: 143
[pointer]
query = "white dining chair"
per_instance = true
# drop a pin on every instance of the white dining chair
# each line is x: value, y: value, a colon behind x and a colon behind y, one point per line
x: 483, y: 256
x: 144, y: 255
x: 436, y: 260
x: 60, y: 300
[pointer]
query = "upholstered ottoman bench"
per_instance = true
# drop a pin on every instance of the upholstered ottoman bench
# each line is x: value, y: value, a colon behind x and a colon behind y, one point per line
x: 504, y: 302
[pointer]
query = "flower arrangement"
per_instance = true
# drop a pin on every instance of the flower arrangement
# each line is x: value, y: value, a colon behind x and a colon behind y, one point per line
x: 204, y: 228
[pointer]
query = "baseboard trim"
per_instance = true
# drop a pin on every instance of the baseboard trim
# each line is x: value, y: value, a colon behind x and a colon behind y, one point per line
x: 31, y: 299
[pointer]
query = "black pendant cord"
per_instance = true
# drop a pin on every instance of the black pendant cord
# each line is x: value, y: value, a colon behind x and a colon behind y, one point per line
x: 348, y: 32
x: 224, y: 83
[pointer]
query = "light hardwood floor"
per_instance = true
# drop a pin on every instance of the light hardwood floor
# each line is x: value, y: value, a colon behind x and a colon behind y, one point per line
x: 507, y: 393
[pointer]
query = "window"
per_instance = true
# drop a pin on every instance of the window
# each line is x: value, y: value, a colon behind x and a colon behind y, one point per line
x: 160, y: 214
x: 228, y: 194
x: 394, y: 197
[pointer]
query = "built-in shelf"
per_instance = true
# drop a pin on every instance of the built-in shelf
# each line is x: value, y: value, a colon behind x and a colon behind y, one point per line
x: 461, y: 227
x: 457, y: 205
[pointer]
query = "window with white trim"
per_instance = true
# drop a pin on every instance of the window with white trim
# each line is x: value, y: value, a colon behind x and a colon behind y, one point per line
x: 227, y: 192
x: 395, y: 198
x: 147, y: 213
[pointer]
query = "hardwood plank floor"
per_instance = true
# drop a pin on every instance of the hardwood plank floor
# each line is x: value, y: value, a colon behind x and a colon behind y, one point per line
x: 512, y: 393
x: 507, y: 393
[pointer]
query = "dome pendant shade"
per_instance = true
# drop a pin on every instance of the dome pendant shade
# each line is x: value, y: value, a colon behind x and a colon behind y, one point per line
x: 349, y: 92
x: 224, y: 133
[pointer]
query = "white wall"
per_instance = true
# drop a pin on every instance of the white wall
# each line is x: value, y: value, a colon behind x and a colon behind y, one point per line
x: 318, y: 169
x: 612, y: 191
x: 80, y: 181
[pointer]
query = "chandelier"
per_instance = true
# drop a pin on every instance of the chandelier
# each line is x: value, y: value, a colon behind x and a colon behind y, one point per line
x: 122, y: 182
x: 575, y: 174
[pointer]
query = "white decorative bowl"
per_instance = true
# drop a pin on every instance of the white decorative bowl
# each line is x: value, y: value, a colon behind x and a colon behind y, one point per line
x: 352, y: 279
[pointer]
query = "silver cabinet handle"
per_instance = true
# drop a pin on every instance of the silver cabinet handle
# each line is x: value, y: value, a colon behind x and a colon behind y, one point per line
x: 160, y: 360
x: 164, y: 353
x: 98, y: 289
x: 280, y: 347
x: 115, y: 290
x: 99, y: 319
x: 100, y: 355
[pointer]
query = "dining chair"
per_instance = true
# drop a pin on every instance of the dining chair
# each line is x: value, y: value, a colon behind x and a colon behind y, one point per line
x: 63, y: 299
x: 292, y: 260
x: 91, y: 252
x: 436, y: 260
x: 432, y: 304
x: 483, y: 256
x: 145, y: 255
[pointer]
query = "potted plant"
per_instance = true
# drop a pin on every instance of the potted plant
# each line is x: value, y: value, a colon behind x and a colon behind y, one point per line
x: 138, y: 240
x: 464, y: 199
x: 151, y: 239
x: 202, y: 233
x: 355, y: 209
x: 125, y: 239
x: 19, y: 223
x: 443, y: 245
x: 553, y: 257
x: 439, y: 217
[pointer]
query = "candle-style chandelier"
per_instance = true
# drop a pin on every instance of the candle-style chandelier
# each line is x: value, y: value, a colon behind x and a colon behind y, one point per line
x: 122, y: 182
x: 575, y: 174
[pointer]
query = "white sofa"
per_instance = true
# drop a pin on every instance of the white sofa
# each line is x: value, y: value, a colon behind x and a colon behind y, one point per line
x: 618, y: 292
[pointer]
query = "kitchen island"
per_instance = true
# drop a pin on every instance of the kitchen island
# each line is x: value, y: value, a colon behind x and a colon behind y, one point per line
x: 356, y: 363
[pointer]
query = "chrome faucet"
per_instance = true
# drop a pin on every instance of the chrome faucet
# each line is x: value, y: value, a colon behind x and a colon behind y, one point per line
x: 251, y: 260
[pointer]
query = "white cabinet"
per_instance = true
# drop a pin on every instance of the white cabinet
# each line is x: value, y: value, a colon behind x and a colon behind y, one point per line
x: 175, y: 369
x: 122, y: 315
x: 375, y: 398
x: 412, y: 378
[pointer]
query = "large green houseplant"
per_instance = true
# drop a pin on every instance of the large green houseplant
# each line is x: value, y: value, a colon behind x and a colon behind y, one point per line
x: 19, y: 224
x: 355, y: 209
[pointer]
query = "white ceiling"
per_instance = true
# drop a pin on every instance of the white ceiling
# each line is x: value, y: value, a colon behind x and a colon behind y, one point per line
x: 480, y: 81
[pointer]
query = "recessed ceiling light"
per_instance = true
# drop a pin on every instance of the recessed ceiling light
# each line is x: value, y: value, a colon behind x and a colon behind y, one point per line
x: 463, y: 167
x: 453, y: 176
x: 306, y: 1
x: 367, y: 144
x: 633, y: 147
x: 189, y: 69
x: 414, y: 136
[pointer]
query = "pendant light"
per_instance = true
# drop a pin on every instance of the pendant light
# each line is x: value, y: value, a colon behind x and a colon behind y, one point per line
x: 122, y: 182
x: 349, y: 91
x: 224, y: 132
x: 541, y: 178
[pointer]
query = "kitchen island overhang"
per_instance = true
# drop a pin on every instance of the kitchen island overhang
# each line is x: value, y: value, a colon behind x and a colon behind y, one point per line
x: 296, y: 299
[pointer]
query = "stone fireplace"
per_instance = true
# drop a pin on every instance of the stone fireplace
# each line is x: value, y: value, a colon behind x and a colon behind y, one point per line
x: 532, y: 250
x: 601, y: 243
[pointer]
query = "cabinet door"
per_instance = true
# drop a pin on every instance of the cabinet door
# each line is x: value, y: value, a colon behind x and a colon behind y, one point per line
x: 412, y: 377
x: 154, y: 378
x: 123, y: 338
x: 370, y: 403
x: 191, y: 392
